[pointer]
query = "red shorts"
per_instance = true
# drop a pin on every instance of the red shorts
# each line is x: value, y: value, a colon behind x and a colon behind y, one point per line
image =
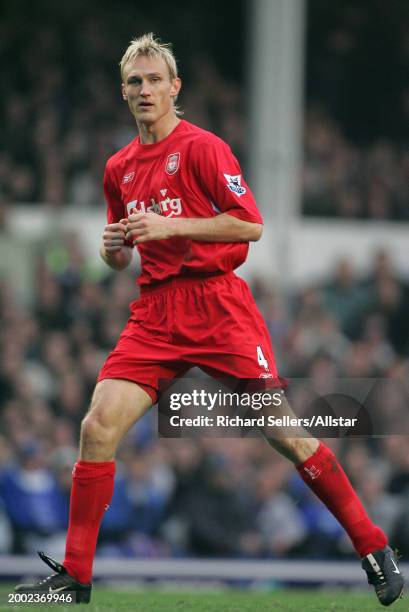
x: 211, y: 322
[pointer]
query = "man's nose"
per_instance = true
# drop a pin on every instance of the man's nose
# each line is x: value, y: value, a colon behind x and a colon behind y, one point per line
x: 145, y: 89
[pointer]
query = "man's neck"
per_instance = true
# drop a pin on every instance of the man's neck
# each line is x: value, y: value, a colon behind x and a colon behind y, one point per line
x: 155, y: 132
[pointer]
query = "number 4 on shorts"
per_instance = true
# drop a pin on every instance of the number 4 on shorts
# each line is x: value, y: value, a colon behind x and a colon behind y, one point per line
x: 261, y: 359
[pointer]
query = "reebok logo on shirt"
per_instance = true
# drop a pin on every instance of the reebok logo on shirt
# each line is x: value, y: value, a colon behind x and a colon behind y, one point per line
x: 128, y: 177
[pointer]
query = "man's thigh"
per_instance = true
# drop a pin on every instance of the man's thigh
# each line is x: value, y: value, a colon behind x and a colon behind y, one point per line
x: 237, y: 342
x: 119, y: 404
x: 143, y: 356
x: 116, y: 405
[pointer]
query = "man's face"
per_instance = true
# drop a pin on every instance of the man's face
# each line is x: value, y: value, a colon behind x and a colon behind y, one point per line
x: 148, y: 89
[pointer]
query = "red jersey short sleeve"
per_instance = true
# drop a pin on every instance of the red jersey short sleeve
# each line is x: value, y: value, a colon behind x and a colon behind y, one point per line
x: 189, y: 174
x: 221, y: 177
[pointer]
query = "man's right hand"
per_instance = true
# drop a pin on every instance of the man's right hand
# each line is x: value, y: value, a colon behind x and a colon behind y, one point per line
x: 113, y: 237
x: 113, y: 250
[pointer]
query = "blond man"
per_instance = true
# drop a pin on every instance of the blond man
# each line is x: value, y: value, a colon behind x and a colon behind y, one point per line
x: 177, y: 193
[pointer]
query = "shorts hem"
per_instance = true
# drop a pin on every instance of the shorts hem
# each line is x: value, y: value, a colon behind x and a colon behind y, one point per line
x: 151, y: 391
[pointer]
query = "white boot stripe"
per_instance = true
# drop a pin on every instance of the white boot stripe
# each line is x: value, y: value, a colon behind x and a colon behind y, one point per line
x: 373, y: 562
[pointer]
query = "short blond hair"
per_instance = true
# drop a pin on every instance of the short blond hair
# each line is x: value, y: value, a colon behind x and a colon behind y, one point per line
x: 149, y: 46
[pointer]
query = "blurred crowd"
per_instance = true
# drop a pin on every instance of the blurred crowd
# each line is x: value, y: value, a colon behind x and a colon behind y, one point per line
x: 357, y: 126
x: 61, y: 108
x: 209, y: 497
x: 342, y: 179
x: 62, y: 114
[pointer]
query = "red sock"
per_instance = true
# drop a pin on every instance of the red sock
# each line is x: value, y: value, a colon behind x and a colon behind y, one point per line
x: 91, y: 493
x: 324, y: 475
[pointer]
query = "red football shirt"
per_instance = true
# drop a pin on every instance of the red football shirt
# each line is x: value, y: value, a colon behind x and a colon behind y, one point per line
x: 190, y: 173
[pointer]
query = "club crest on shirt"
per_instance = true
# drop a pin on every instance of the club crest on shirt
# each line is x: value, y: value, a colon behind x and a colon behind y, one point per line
x: 234, y: 184
x: 172, y: 163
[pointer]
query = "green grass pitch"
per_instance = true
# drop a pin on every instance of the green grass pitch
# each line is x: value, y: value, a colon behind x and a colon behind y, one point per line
x: 104, y: 600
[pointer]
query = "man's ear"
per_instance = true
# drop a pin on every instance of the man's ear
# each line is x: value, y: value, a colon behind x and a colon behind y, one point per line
x: 176, y: 86
x: 125, y: 97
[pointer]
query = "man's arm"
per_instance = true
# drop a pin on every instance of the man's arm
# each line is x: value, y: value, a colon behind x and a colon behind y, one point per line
x: 113, y: 251
x: 143, y: 227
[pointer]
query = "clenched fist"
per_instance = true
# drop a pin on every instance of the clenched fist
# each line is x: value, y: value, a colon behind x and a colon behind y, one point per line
x: 113, y: 238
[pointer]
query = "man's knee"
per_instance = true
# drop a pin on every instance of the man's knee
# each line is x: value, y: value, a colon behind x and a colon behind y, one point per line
x: 98, y: 428
x: 96, y: 431
x: 116, y: 405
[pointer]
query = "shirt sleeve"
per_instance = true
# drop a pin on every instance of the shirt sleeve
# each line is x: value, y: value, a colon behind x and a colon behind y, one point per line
x: 221, y: 178
x: 115, y: 205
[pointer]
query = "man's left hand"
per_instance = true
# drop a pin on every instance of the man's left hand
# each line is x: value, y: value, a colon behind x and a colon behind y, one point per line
x: 142, y: 227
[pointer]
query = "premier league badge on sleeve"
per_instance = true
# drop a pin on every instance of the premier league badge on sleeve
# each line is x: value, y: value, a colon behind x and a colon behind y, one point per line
x: 172, y: 163
x: 234, y: 184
